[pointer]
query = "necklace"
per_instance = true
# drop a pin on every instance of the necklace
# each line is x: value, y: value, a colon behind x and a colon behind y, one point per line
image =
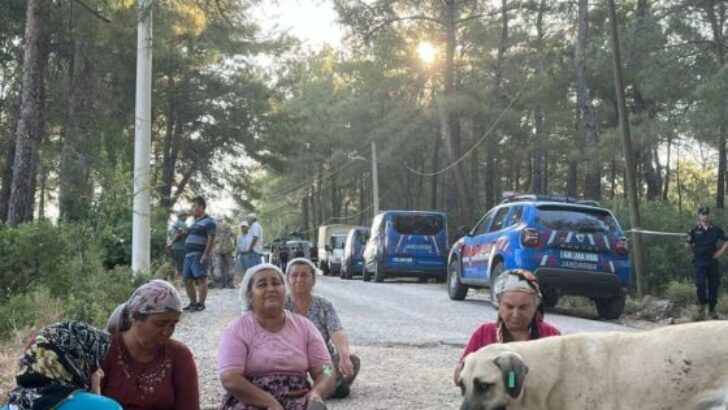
x: 151, y: 375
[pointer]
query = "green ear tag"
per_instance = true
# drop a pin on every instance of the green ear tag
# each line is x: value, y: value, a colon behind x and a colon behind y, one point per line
x: 511, y: 379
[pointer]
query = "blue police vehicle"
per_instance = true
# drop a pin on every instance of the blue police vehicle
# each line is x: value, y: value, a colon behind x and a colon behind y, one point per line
x: 407, y: 243
x: 353, y: 261
x: 573, y: 247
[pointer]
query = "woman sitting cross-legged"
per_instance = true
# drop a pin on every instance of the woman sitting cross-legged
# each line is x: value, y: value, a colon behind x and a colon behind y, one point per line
x: 266, y: 355
x: 61, y: 370
x: 301, y: 274
x: 145, y: 369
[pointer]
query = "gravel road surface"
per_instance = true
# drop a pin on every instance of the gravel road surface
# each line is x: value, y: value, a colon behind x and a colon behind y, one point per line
x: 408, y: 335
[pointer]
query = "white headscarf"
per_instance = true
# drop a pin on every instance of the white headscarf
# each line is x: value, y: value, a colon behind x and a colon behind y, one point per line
x: 246, y: 285
x: 301, y: 261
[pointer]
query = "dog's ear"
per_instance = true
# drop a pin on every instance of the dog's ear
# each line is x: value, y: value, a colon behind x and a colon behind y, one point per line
x: 514, y: 371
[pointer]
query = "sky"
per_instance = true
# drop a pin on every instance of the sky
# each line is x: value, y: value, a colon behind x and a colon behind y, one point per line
x: 312, y: 21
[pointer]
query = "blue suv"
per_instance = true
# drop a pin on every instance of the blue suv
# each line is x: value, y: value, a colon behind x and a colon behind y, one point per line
x: 573, y: 247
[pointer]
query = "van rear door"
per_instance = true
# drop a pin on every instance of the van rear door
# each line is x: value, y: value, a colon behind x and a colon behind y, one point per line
x: 416, y: 240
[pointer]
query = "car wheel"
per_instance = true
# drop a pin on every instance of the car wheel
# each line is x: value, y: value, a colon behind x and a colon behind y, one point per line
x: 455, y: 289
x: 550, y: 298
x: 497, y: 269
x: 378, y: 272
x: 611, y: 308
x: 422, y: 279
x: 366, y: 276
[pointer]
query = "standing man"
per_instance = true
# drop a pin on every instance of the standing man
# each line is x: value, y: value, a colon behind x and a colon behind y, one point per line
x: 198, y: 247
x: 243, y: 247
x: 256, y: 241
x: 222, y: 254
x: 703, y: 239
x: 176, y: 241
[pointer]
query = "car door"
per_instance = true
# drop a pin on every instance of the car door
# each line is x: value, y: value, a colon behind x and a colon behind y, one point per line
x: 471, y: 257
x: 487, y: 242
x: 372, y: 245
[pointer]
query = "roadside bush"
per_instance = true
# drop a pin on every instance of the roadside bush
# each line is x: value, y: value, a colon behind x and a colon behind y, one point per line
x: 681, y: 292
x: 31, y: 309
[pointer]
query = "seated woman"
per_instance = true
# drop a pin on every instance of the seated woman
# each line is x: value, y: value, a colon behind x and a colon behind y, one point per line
x: 61, y: 370
x: 145, y: 369
x: 265, y: 356
x: 301, y: 274
x: 520, y: 315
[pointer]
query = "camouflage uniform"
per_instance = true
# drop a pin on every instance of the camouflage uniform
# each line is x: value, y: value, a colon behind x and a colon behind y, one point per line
x: 222, y: 256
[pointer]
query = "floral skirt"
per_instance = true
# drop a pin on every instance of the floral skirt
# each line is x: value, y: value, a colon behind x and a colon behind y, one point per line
x: 278, y: 386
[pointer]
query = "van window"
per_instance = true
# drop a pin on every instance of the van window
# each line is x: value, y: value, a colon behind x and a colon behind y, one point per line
x: 338, y: 241
x: 361, y: 236
x: 575, y: 219
x: 499, y: 220
x: 417, y: 224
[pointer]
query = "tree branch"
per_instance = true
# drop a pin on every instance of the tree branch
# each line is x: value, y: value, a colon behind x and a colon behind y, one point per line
x: 398, y: 19
x: 94, y: 12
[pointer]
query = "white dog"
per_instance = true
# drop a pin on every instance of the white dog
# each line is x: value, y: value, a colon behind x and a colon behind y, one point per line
x: 676, y: 367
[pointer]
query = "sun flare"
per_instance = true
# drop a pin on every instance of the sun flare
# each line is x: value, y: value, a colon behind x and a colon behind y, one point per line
x: 427, y: 52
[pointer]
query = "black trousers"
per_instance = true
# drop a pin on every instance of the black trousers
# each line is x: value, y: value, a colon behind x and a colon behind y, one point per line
x: 707, y: 281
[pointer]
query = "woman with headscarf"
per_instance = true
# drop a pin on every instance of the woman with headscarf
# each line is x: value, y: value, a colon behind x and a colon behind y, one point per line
x: 265, y: 356
x: 301, y: 275
x: 145, y: 369
x: 61, y: 369
x: 520, y: 315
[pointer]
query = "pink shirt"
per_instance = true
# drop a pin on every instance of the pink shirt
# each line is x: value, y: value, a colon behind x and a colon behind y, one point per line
x: 247, y: 347
x: 485, y: 334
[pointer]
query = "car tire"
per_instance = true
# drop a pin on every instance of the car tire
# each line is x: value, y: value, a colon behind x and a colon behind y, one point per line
x: 611, y: 308
x: 498, y: 268
x: 550, y: 298
x: 378, y: 273
x: 366, y: 276
x: 422, y: 279
x: 455, y: 289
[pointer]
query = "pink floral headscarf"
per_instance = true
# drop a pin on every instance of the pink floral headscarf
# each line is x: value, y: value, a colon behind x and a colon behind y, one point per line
x: 156, y: 296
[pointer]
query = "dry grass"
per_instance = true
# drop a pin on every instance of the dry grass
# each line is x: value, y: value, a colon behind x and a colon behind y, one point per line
x: 10, y: 351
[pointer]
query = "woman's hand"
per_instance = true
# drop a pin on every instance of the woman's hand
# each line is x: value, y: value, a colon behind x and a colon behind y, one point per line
x: 346, y: 367
x: 275, y: 406
x: 96, y: 381
x: 312, y: 397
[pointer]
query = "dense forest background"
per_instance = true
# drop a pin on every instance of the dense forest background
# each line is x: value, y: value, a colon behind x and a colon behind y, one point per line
x: 513, y: 96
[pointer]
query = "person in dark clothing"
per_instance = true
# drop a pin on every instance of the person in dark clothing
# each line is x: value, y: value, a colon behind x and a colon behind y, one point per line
x: 703, y: 240
x: 283, y: 256
x: 299, y: 251
x: 313, y: 254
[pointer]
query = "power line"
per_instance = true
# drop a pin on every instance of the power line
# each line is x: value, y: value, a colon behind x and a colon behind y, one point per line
x: 480, y: 141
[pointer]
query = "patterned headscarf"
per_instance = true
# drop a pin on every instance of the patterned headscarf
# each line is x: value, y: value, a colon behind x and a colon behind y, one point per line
x: 59, y: 359
x: 246, y: 286
x: 156, y: 296
x: 518, y: 280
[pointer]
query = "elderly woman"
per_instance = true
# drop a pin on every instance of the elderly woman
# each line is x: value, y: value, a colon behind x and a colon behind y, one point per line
x: 61, y: 370
x: 265, y: 356
x: 520, y: 315
x: 145, y: 369
x: 301, y: 274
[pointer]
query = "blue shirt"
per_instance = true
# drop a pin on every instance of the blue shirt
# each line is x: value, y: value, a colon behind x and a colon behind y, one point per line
x: 198, y: 233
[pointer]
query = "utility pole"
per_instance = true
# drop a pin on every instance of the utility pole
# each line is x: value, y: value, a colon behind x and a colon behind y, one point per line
x: 141, y: 225
x: 375, y: 179
x: 634, y: 210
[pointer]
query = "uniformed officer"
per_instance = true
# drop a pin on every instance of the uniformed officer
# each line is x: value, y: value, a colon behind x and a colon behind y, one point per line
x: 703, y: 239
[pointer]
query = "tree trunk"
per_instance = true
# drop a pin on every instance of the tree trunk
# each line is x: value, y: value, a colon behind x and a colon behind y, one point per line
x: 571, y: 179
x: 7, y: 176
x: 716, y: 25
x: 304, y: 213
x: 588, y: 123
x: 449, y: 129
x: 173, y: 128
x: 536, y: 185
x: 31, y: 124
x: 75, y: 190
x: 362, y: 199
x: 666, y: 187
x: 491, y: 143
x: 435, y: 166
x: 650, y: 174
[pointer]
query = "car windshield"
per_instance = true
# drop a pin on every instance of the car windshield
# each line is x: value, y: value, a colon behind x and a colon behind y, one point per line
x: 338, y: 241
x: 575, y: 219
x: 362, y: 236
x: 417, y: 224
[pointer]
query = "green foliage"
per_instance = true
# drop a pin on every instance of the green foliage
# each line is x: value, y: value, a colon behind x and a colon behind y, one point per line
x: 52, y: 272
x: 680, y: 292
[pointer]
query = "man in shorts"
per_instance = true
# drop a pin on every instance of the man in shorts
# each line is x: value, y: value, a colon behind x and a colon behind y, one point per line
x: 198, y: 246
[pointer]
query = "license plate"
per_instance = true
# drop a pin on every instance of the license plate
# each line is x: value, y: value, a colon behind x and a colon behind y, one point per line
x: 402, y: 260
x: 580, y: 256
